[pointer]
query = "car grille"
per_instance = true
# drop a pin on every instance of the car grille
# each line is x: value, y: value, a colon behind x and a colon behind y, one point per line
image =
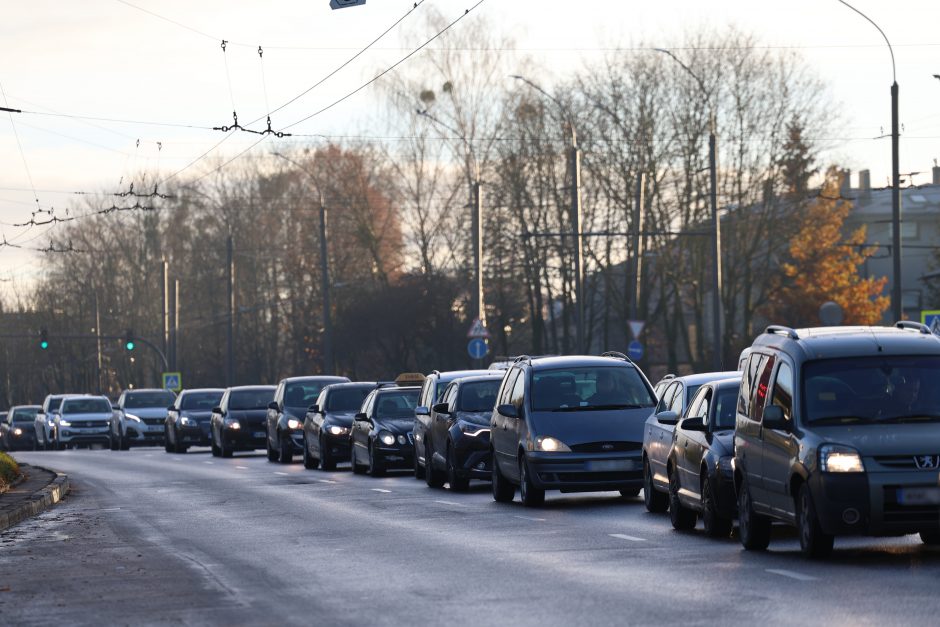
x: 154, y: 421
x: 900, y: 462
x: 589, y: 477
x: 606, y: 447
x: 895, y: 512
x: 82, y: 424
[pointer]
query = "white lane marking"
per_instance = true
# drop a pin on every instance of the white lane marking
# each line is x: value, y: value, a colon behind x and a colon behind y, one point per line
x: 381, y: 490
x: 450, y: 503
x: 242, y: 467
x: 176, y: 459
x: 326, y: 481
x: 148, y: 455
x: 283, y: 474
x: 530, y: 518
x: 624, y: 536
x: 208, y: 462
x: 110, y: 509
x: 791, y: 574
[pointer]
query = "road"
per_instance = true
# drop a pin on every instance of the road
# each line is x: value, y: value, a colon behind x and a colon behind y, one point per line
x: 152, y: 538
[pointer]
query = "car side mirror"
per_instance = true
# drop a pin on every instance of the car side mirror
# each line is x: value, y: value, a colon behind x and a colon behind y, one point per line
x: 274, y: 406
x: 508, y: 409
x: 667, y: 417
x: 361, y: 416
x: 441, y: 408
x: 216, y: 410
x: 774, y: 418
x: 422, y: 410
x: 171, y: 408
x: 693, y: 424
x: 314, y: 409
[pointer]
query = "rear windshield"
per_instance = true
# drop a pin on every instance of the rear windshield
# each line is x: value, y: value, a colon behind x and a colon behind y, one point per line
x: 590, y: 387
x: 346, y: 399
x: 250, y: 399
x: 303, y: 393
x: 397, y: 404
x: 24, y: 415
x: 140, y: 400
x: 86, y: 406
x: 200, y: 400
x: 478, y: 395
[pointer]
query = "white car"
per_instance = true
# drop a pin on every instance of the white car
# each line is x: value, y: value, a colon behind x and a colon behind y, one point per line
x: 139, y: 418
x: 82, y: 420
x: 45, y: 421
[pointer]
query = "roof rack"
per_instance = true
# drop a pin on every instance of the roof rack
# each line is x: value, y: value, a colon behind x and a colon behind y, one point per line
x: 914, y: 326
x: 777, y: 329
x: 668, y: 377
x: 525, y: 358
x: 616, y: 355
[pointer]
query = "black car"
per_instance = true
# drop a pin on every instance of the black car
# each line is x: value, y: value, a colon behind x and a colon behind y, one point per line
x: 432, y: 389
x: 237, y: 424
x: 701, y: 476
x: 18, y: 428
x: 381, y: 433
x: 458, y: 442
x: 572, y: 424
x: 187, y: 419
x: 328, y: 421
x: 284, y: 423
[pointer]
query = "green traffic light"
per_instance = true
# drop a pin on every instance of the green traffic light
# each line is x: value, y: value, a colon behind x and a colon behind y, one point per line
x: 44, y: 345
x: 129, y: 346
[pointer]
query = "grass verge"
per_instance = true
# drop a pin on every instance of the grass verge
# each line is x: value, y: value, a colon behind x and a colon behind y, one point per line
x: 9, y: 471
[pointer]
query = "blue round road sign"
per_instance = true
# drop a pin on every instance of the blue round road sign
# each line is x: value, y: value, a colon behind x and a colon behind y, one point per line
x: 635, y: 350
x: 477, y: 348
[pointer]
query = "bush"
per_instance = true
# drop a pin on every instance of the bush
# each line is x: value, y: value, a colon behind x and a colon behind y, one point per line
x: 9, y: 471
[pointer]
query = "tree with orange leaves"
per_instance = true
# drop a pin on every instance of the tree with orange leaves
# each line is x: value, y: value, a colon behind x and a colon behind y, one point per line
x: 824, y: 265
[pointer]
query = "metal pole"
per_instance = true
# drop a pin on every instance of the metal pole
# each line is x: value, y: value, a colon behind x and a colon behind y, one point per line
x: 716, y: 267
x: 477, y: 225
x: 578, y: 241
x: 165, y: 303
x: 98, y: 341
x: 636, y: 227
x: 174, y: 335
x: 328, y: 365
x: 230, y: 339
x: 896, y: 305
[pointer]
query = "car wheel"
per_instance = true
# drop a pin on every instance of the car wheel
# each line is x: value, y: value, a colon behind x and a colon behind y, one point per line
x: 376, y: 468
x: 503, y: 491
x: 930, y: 538
x: 682, y: 518
x: 814, y: 542
x: 310, y: 463
x: 530, y: 495
x: 224, y: 451
x: 327, y: 462
x: 753, y: 528
x: 655, y: 501
x: 716, y: 524
x: 125, y: 443
x: 356, y: 468
x: 167, y: 446
x: 178, y: 446
x: 432, y: 476
x: 285, y: 449
x: 419, y: 469
x: 113, y: 441
x: 272, y: 453
x: 457, y: 483
x: 212, y: 445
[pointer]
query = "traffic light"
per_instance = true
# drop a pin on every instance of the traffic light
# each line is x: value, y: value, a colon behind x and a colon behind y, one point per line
x: 129, y: 340
x: 43, y: 339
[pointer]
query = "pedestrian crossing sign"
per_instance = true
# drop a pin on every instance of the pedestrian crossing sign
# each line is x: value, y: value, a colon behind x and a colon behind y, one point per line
x: 932, y: 319
x: 172, y: 381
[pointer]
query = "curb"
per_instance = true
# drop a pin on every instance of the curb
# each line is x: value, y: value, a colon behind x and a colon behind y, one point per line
x: 39, y: 501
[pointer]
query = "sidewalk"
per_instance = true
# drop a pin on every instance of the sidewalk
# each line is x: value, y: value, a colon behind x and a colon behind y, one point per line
x: 41, y: 490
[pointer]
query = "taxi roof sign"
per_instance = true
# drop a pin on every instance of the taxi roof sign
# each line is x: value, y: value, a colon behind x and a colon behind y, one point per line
x: 410, y: 378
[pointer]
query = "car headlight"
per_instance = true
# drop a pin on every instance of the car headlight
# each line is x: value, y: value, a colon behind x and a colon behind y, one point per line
x: 64, y: 423
x: 471, y: 429
x: 337, y: 430
x: 293, y: 423
x: 232, y: 423
x: 387, y: 438
x: 132, y: 418
x: 836, y: 458
x: 186, y: 421
x: 550, y: 445
x: 726, y: 465
x: 17, y: 431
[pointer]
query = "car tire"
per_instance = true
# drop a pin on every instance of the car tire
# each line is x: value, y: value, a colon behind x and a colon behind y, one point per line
x: 310, y: 462
x: 212, y: 445
x: 530, y: 495
x: 656, y: 502
x: 166, y: 440
x: 418, y: 468
x: 125, y: 444
x: 457, y: 483
x: 682, y: 518
x: 356, y: 468
x: 716, y: 524
x: 224, y: 451
x: 376, y: 468
x: 272, y: 453
x: 930, y: 538
x: 285, y: 449
x: 814, y: 542
x: 57, y: 446
x: 432, y: 476
x: 327, y: 461
x: 753, y: 528
x: 113, y: 441
x: 503, y: 491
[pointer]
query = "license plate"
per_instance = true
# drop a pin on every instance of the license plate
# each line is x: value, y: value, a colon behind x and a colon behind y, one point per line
x: 258, y: 434
x: 611, y: 465
x: 156, y: 428
x: 919, y: 496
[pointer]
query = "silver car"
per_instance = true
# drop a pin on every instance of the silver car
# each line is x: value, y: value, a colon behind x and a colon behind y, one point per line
x: 82, y: 420
x: 45, y: 421
x: 139, y: 418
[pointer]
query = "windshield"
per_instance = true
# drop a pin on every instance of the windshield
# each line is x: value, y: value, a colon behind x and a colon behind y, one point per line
x: 593, y: 387
x: 396, y: 404
x: 86, y: 406
x: 25, y: 415
x: 346, y: 399
x: 250, y: 399
x: 725, y: 411
x: 200, y: 400
x: 872, y: 389
x: 140, y: 400
x: 303, y: 393
x: 54, y: 404
x: 478, y: 395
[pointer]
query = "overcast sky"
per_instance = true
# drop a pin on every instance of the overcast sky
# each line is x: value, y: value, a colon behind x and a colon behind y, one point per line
x: 104, y: 58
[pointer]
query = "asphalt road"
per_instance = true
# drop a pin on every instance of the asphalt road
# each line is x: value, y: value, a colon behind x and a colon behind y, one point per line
x: 147, y: 537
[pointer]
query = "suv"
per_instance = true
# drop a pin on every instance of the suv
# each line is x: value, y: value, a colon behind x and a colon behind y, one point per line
x: 573, y: 424
x: 284, y: 421
x: 45, y: 421
x: 139, y: 418
x: 432, y: 389
x: 82, y: 420
x: 836, y: 432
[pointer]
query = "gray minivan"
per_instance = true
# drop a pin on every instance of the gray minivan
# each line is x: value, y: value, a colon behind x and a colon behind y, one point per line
x: 838, y: 432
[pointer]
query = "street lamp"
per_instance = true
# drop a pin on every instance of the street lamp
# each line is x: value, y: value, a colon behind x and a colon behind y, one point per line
x: 713, y: 194
x: 324, y: 274
x: 896, y: 309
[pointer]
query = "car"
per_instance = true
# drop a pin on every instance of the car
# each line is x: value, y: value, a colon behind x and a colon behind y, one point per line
x: 701, y: 477
x: 237, y: 424
x: 837, y: 432
x: 657, y: 434
x: 187, y: 419
x: 17, y: 429
x: 328, y: 421
x: 44, y: 424
x: 459, y: 438
x: 82, y: 420
x: 432, y: 388
x: 140, y: 418
x: 381, y: 435
x: 284, y: 420
x: 662, y: 384
x: 573, y: 424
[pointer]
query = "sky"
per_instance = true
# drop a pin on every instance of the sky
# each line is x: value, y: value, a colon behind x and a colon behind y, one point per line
x: 148, y: 68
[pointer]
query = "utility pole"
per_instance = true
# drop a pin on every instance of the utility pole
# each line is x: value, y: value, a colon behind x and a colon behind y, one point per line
x: 98, y: 339
x: 636, y: 227
x: 230, y: 335
x: 165, y: 303
x: 578, y: 241
x: 896, y: 305
x: 325, y: 288
x: 716, y: 266
x: 476, y: 221
x: 175, y: 325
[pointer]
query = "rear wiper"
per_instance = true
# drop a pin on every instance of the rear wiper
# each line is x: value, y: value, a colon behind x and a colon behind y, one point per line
x: 911, y: 417
x: 840, y: 420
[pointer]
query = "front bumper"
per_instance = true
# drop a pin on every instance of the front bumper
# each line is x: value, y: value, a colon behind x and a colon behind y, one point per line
x: 338, y: 445
x: 26, y: 440
x: 194, y: 435
x: 247, y: 438
x: 396, y: 455
x: 586, y: 472
x: 472, y: 456
x: 144, y: 434
x: 84, y: 435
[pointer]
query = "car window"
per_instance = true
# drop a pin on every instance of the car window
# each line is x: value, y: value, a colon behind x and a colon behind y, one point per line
x: 302, y: 394
x: 587, y: 387
x: 367, y: 404
x: 449, y: 394
x: 747, y: 382
x: 509, y: 382
x: 140, y: 400
x: 250, y: 399
x: 54, y: 404
x: 517, y: 396
x: 478, y: 395
x: 426, y: 390
x: 26, y: 414
x: 396, y: 404
x: 696, y: 404
x: 675, y: 402
x: 761, y: 388
x: 86, y: 406
x: 783, y: 390
x: 203, y: 401
x: 723, y: 409
x: 346, y: 399
x: 664, y: 400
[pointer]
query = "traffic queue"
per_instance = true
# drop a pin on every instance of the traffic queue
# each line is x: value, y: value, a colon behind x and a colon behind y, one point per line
x: 833, y: 430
